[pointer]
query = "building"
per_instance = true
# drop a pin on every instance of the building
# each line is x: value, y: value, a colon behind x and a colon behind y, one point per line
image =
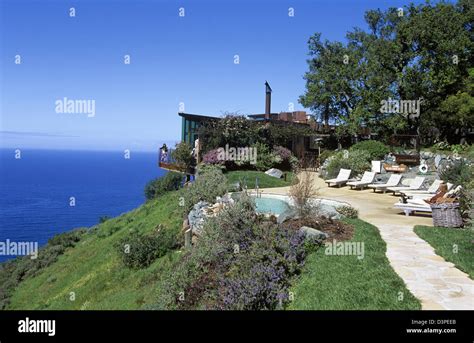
x: 304, y: 147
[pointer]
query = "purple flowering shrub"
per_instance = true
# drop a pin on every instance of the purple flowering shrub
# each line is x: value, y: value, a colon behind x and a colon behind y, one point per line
x: 282, y: 152
x: 212, y: 157
x: 260, y: 278
x: 286, y: 157
x: 241, y: 261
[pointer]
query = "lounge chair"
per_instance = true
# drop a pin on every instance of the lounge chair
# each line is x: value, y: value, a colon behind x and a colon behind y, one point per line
x: 416, y: 184
x: 415, y: 205
x: 366, y: 180
x: 341, y: 178
x: 376, y: 166
x: 393, y: 181
x: 431, y: 190
x: 420, y: 204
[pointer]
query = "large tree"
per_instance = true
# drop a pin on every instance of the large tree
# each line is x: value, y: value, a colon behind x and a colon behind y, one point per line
x: 422, y: 52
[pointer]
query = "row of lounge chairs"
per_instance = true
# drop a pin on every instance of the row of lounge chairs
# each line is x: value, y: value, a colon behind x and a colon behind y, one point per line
x: 412, y: 196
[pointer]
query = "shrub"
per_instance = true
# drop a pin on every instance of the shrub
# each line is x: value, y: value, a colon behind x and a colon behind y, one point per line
x: 266, y: 159
x: 260, y: 278
x: 348, y: 211
x: 282, y: 152
x: 377, y: 150
x: 212, y: 157
x: 239, y: 262
x: 460, y: 173
x: 325, y: 155
x: 302, y: 190
x: 288, y: 160
x: 103, y: 219
x: 210, y: 183
x: 67, y: 239
x: 139, y: 251
x: 357, y: 161
x: 169, y: 182
x: 459, y: 148
x: 182, y: 154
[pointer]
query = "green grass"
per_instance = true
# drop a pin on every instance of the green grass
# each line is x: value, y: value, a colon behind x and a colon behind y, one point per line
x: 93, y: 269
x: 454, y: 245
x: 264, y: 180
x: 347, y: 283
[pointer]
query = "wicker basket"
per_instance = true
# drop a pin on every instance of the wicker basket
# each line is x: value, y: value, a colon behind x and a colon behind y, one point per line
x: 446, y: 215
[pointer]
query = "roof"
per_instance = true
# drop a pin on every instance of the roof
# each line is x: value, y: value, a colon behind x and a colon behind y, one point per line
x: 197, y: 117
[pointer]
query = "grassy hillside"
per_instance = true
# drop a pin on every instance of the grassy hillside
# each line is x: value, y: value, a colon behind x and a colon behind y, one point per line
x: 92, y: 276
x: 93, y: 269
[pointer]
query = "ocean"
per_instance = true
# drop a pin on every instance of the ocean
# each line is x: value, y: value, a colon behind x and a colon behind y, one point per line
x: 36, y: 190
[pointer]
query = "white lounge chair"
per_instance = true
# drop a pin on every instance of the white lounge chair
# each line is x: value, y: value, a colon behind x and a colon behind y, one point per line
x: 393, y: 181
x: 420, y: 205
x: 431, y: 190
x: 376, y: 166
x: 416, y: 205
x: 341, y: 178
x: 366, y: 180
x: 416, y: 184
x: 427, y: 193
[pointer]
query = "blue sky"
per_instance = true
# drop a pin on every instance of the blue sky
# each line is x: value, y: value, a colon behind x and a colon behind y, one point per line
x: 174, y: 59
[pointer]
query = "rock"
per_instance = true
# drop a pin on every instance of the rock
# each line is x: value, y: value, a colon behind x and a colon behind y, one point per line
x: 328, y: 211
x: 309, y: 232
x: 288, y: 214
x: 274, y: 172
x: 197, y: 216
x: 437, y: 160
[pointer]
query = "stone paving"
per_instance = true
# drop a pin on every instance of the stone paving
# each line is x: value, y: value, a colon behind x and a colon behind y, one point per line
x: 438, y: 284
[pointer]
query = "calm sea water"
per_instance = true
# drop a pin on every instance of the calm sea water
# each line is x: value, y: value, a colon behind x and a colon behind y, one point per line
x: 35, y: 190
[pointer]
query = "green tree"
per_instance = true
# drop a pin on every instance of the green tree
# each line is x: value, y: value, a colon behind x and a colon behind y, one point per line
x: 422, y: 52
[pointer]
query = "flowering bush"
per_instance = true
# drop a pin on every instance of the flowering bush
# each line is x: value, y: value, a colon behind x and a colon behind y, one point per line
x: 282, y: 152
x: 259, y: 279
x: 212, y: 157
x: 239, y: 262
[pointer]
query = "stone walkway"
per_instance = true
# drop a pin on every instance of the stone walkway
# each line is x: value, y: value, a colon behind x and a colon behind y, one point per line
x: 435, y: 282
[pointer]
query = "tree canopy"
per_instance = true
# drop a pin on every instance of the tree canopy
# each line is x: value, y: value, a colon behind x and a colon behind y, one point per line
x: 418, y: 53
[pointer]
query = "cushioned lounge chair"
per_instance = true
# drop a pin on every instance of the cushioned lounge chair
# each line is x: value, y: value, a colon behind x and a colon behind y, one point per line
x: 366, y: 180
x: 416, y: 184
x: 393, y: 181
x: 341, y: 178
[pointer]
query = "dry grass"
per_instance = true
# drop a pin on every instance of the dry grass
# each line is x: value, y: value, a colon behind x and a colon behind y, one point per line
x: 302, y: 190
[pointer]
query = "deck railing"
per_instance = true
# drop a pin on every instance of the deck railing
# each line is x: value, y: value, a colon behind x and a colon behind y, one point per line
x: 166, y: 157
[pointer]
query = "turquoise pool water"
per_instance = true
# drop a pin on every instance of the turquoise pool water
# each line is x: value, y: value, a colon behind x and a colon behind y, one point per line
x: 269, y: 205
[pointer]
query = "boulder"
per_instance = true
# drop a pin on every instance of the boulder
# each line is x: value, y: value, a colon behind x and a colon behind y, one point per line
x: 437, y: 160
x: 309, y: 232
x: 328, y: 211
x: 197, y: 216
x: 274, y: 172
x: 288, y: 214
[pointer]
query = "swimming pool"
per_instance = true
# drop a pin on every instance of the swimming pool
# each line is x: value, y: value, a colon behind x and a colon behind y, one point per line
x: 271, y: 205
